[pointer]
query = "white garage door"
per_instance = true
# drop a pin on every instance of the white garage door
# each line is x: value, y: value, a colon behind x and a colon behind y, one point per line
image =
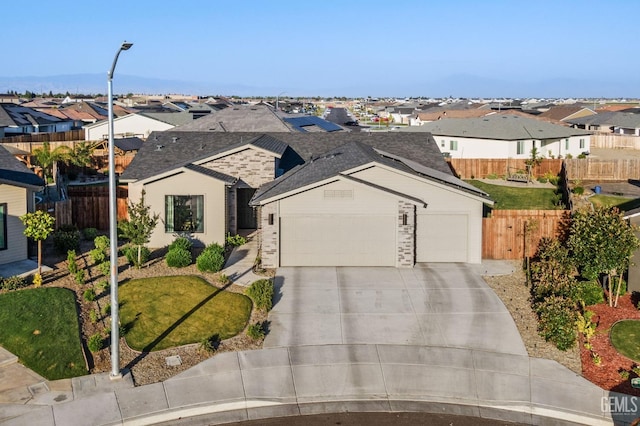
x: 339, y: 240
x: 442, y: 238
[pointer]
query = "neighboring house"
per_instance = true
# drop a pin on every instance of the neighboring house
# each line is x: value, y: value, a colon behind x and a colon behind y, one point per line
x: 138, y: 124
x: 622, y: 123
x: 505, y: 136
x: 436, y: 114
x: 318, y: 198
x: 258, y: 118
x: 18, y: 185
x: 18, y: 119
x: 567, y: 112
x: 239, y: 118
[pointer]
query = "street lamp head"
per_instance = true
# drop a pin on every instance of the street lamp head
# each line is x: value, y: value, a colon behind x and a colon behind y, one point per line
x: 126, y: 46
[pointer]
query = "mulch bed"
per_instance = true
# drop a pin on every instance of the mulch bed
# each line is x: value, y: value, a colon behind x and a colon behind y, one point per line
x: 607, y: 374
x: 145, y: 368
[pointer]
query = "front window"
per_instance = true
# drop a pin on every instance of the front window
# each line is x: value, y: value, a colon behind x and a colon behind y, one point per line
x: 184, y: 213
x: 3, y: 226
x: 566, y: 144
x: 520, y: 148
x: 453, y: 145
x: 581, y: 143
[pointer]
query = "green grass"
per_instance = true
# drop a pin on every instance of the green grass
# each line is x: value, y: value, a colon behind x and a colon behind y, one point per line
x: 623, y: 203
x: 166, y: 312
x: 512, y: 198
x: 40, y: 326
x: 625, y: 337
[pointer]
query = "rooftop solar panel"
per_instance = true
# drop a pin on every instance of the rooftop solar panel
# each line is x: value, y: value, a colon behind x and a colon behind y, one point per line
x: 300, y: 122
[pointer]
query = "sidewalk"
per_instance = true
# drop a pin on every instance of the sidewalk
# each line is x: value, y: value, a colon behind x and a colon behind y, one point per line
x: 239, y: 266
x: 237, y: 386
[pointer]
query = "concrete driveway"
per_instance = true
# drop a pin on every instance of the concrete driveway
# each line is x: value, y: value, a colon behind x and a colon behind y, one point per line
x: 437, y: 305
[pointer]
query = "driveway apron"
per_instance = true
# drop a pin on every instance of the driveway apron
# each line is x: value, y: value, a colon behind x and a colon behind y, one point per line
x: 446, y: 305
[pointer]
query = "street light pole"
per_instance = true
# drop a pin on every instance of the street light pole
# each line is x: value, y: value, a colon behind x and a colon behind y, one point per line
x: 113, y: 228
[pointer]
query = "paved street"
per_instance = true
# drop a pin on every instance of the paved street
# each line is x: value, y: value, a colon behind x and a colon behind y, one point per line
x: 440, y: 305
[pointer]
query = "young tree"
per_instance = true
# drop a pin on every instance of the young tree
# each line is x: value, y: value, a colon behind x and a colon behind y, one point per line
x: 534, y: 161
x: 38, y: 225
x: 602, y: 242
x: 140, y: 225
x: 81, y: 155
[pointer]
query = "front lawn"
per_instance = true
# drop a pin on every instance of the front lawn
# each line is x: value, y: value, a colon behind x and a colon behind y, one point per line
x: 40, y: 326
x: 625, y: 337
x: 512, y: 198
x: 164, y: 312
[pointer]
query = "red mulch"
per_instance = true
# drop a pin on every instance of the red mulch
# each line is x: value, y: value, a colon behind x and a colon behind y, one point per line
x: 606, y: 375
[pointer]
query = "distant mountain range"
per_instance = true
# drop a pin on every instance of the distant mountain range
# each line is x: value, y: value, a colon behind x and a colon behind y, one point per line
x: 467, y: 86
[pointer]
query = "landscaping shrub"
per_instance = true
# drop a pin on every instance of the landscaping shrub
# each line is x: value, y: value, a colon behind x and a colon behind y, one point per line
x: 95, y: 342
x: 89, y: 295
x: 13, y: 283
x: 101, y: 286
x: 557, y: 319
x: 588, y: 292
x: 210, y: 344
x: 102, y: 242
x: 131, y: 253
x: 178, y: 258
x: 106, y: 309
x: 90, y: 234
x: 256, y: 331
x: 261, y: 292
x: 80, y: 277
x: 211, y: 259
x: 181, y: 243
x: 105, y: 268
x: 71, y: 261
x: 235, y: 240
x: 66, y: 238
x: 97, y: 256
x: 93, y: 316
x: 578, y: 190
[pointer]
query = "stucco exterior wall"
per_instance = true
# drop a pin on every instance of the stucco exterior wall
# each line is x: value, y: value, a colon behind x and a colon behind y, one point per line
x: 485, y: 148
x: 186, y: 183
x: 440, y: 199
x: 133, y: 124
x: 16, y: 200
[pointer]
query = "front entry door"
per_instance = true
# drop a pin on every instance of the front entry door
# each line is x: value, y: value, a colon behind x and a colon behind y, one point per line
x: 246, y: 214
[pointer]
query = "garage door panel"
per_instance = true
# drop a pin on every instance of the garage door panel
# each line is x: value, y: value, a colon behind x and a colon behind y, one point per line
x: 337, y: 240
x: 442, y: 238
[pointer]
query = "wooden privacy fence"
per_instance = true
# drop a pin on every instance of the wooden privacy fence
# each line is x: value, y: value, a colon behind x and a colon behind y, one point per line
x: 61, y: 211
x: 91, y: 205
x: 71, y: 135
x: 610, y: 141
x: 512, y: 234
x: 480, y: 168
x: 601, y: 170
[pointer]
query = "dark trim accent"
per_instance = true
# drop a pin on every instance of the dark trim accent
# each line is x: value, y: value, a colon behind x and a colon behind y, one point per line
x: 4, y: 244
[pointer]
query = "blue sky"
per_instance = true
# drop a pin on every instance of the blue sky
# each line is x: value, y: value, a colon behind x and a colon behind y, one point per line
x: 337, y: 48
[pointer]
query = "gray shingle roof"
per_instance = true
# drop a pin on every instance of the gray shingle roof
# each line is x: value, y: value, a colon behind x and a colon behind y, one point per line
x: 627, y: 120
x: 173, y: 118
x: 500, y: 127
x: 239, y: 118
x: 193, y: 146
x: 230, y: 180
x: 349, y: 156
x: 15, y: 172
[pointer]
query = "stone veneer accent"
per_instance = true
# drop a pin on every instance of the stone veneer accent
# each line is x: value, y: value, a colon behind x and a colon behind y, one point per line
x: 232, y: 209
x: 269, y: 237
x: 406, y: 235
x: 253, y: 167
